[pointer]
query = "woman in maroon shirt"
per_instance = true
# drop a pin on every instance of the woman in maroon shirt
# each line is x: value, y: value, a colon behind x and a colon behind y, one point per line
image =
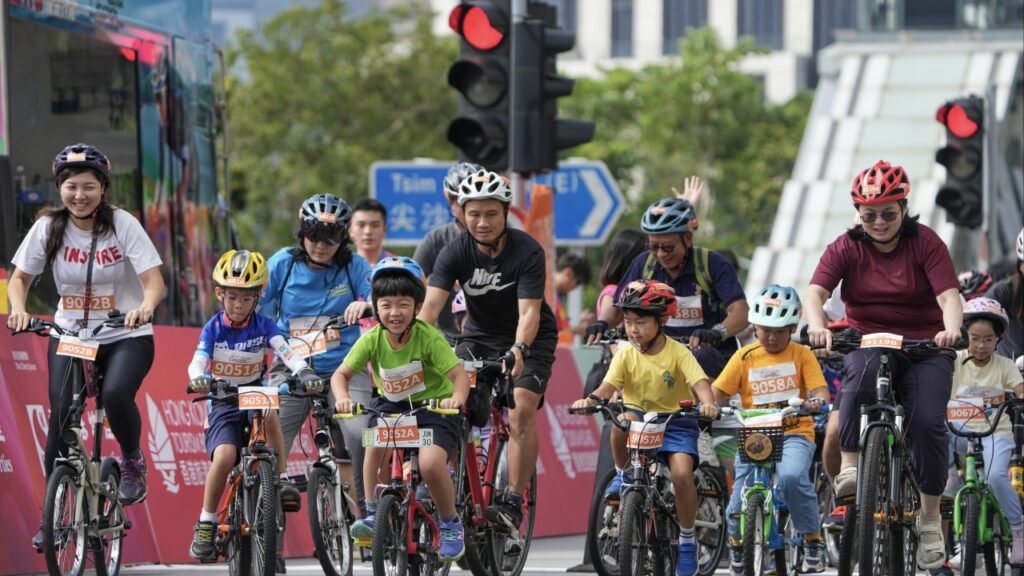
x: 898, y: 277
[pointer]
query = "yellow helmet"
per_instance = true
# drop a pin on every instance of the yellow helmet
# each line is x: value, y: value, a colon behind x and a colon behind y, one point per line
x: 240, y: 269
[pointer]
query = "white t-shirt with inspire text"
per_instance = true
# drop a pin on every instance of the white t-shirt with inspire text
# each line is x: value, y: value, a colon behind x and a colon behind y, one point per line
x: 121, y: 255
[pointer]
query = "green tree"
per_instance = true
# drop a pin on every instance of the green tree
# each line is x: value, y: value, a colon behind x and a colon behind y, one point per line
x: 696, y: 114
x: 322, y: 96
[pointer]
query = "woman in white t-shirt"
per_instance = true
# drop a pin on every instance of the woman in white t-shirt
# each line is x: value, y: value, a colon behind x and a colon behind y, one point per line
x: 982, y: 374
x: 95, y: 249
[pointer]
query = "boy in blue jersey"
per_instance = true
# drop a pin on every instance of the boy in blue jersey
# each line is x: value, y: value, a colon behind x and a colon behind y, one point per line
x: 232, y: 348
x: 411, y: 363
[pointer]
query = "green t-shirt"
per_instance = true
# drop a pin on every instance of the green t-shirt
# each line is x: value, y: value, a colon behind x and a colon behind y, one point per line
x: 417, y: 371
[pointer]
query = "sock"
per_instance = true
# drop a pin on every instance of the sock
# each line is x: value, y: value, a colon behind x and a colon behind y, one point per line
x: 687, y: 535
x: 810, y: 538
x: 205, y: 516
x: 454, y: 519
x: 371, y: 508
x: 284, y: 477
x: 134, y: 454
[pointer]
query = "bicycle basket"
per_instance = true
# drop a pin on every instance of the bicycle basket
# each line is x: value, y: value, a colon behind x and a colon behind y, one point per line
x: 760, y: 444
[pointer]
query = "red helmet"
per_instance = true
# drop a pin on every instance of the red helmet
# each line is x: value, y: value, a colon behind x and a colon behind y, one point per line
x: 880, y: 184
x: 649, y: 296
x: 974, y: 284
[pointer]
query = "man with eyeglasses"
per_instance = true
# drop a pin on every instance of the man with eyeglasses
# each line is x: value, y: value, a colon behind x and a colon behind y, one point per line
x: 707, y: 319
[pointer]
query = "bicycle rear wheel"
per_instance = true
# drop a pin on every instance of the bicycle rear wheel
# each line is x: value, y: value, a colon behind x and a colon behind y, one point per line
x: 262, y: 501
x: 328, y: 523
x: 874, y: 525
x: 64, y: 528
x: 107, y: 548
x: 390, y: 553
x: 503, y: 559
x: 905, y: 539
x: 710, y: 524
x: 603, y: 543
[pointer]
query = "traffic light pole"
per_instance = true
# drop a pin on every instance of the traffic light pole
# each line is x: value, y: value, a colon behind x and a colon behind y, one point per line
x: 517, y: 182
x: 988, y: 175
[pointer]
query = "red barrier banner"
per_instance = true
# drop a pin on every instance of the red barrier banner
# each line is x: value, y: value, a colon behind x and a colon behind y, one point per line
x: 173, y: 444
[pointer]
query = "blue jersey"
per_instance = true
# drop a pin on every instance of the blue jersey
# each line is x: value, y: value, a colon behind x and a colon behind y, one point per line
x: 253, y: 338
x: 297, y: 292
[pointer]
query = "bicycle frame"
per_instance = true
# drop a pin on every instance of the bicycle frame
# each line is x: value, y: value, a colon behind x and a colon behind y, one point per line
x: 255, y: 450
x: 760, y: 482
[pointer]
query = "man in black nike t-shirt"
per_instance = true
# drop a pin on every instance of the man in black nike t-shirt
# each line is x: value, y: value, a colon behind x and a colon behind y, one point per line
x: 502, y: 273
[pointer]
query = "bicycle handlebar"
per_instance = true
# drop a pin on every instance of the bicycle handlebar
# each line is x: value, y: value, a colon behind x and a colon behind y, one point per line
x: 850, y: 340
x: 503, y: 364
x: 115, y: 319
x: 687, y: 409
x: 1011, y: 403
x: 432, y: 405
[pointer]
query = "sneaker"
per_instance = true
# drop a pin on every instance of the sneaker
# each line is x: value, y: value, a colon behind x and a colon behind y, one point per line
x: 814, y: 557
x: 507, y: 511
x: 453, y: 544
x: 945, y: 570
x: 363, y: 528
x: 615, y: 486
x: 1017, y: 554
x: 845, y: 483
x: 686, y: 558
x: 133, y: 481
x: 735, y: 560
x: 37, y: 540
x: 203, y: 548
x: 279, y: 567
x: 291, y: 500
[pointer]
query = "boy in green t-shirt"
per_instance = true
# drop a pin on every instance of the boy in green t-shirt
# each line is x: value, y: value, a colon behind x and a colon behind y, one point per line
x: 411, y: 363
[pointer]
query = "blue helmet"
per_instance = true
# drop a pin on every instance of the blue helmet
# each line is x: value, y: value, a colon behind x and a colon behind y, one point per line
x: 775, y: 307
x: 669, y: 216
x: 402, y: 264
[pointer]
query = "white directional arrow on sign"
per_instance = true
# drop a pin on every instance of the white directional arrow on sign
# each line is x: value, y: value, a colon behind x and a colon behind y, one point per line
x: 602, y: 202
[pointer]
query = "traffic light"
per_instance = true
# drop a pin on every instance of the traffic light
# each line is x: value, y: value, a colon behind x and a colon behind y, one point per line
x: 962, y: 193
x: 538, y: 134
x: 481, y: 75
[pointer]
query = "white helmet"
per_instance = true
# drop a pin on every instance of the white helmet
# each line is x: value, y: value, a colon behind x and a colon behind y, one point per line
x: 483, y: 185
x: 1020, y: 246
x: 775, y: 307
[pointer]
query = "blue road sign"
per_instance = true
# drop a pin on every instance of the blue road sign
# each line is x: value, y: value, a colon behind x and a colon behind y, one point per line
x: 587, y: 202
x: 413, y: 193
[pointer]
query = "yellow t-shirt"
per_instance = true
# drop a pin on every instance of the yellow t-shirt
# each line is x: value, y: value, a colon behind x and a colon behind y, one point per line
x: 766, y: 380
x: 979, y: 382
x: 655, y: 382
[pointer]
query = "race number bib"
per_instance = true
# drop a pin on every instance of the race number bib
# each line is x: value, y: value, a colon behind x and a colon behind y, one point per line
x: 882, y: 340
x: 236, y: 367
x: 77, y: 348
x: 400, y: 383
x: 258, y: 398
x: 308, y: 338
x: 101, y: 302
x: 645, y: 435
x: 961, y: 411
x: 401, y: 432
x: 690, y: 312
x: 773, y: 384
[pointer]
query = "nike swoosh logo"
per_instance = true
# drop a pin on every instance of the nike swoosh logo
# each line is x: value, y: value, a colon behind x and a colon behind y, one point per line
x: 470, y: 290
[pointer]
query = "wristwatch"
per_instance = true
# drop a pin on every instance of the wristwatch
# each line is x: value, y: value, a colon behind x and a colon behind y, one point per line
x: 523, y: 347
x: 721, y: 329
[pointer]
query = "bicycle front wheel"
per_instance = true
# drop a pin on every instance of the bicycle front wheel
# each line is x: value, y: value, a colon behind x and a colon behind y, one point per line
x: 634, y: 545
x: 874, y: 524
x: 262, y: 502
x: 65, y: 528
x: 328, y: 523
x: 968, y: 532
x: 236, y: 544
x: 107, y: 548
x: 755, y: 540
x: 710, y: 523
x: 603, y: 542
x: 390, y: 553
x: 508, y: 553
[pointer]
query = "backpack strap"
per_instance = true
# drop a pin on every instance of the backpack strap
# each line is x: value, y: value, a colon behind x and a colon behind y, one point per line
x: 648, y: 270
x: 701, y: 256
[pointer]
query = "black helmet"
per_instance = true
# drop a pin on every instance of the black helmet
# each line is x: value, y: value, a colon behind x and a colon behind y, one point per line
x: 84, y: 156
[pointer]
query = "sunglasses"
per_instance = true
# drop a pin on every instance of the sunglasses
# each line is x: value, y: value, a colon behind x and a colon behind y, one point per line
x: 870, y: 217
x: 665, y: 249
x: 329, y: 234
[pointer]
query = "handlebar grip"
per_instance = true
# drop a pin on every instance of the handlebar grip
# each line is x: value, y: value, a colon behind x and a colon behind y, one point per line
x: 357, y: 410
x: 435, y: 407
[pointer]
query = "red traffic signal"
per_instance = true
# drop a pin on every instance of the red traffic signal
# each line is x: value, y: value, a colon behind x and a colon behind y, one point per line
x: 958, y: 120
x: 482, y: 25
